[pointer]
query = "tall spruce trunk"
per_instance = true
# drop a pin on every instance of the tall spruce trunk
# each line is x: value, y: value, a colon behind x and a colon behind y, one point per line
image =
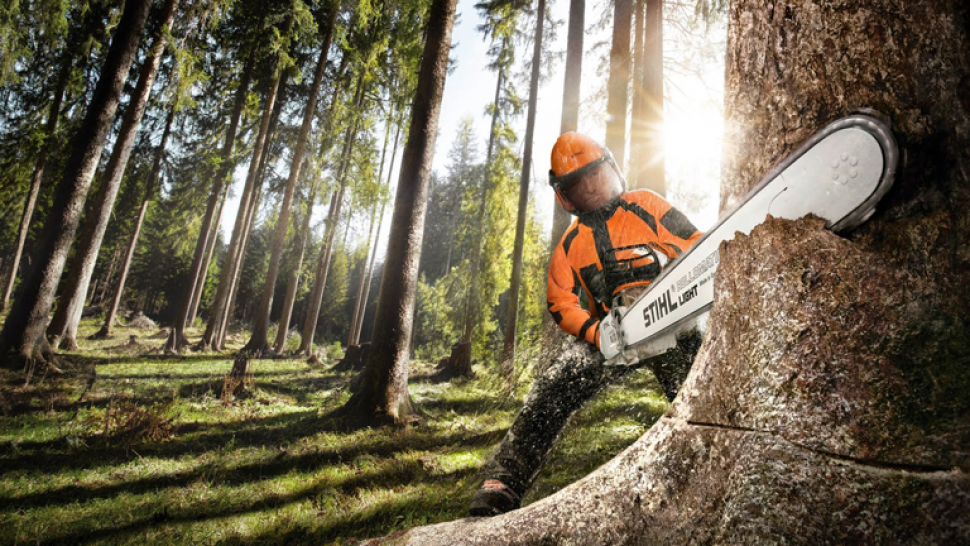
x: 248, y: 221
x: 353, y: 336
x: 512, y: 317
x: 37, y: 177
x: 210, y: 250
x: 646, y: 166
x: 552, y: 335
x: 320, y: 278
x: 150, y: 189
x: 259, y: 343
x: 236, y: 250
x: 618, y: 86
x: 176, y: 340
x: 84, y: 30
x: 571, y: 97
x: 359, y: 325
x: 383, y: 396
x: 294, y: 281
x: 358, y: 298
x: 260, y: 145
x: 326, y: 250
x: 472, y: 296
x: 63, y: 327
x: 829, y: 401
x: 222, y: 302
x: 23, y: 331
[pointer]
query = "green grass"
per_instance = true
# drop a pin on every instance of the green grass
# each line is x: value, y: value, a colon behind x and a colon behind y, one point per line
x: 268, y: 467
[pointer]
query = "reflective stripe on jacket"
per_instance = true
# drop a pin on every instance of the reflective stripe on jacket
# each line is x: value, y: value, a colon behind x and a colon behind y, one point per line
x: 639, y: 217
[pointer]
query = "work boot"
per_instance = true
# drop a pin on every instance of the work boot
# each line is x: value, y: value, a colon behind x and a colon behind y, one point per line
x: 492, y: 499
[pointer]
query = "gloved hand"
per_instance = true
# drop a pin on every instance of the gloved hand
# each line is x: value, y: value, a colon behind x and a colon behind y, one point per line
x: 609, y: 341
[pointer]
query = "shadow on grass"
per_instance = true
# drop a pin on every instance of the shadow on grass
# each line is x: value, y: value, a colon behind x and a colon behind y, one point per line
x: 78, y: 358
x: 471, y: 407
x: 179, y: 376
x: 206, y: 510
x: 389, y: 517
x: 276, y: 465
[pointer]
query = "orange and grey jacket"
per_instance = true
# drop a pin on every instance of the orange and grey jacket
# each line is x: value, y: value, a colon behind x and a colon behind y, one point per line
x: 638, y: 229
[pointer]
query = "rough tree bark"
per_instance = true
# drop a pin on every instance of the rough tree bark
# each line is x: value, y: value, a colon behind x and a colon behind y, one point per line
x: 828, y: 403
x: 150, y: 189
x: 383, y: 397
x: 22, y: 338
x: 176, y: 340
x: 511, y: 319
x: 63, y: 327
x: 618, y: 92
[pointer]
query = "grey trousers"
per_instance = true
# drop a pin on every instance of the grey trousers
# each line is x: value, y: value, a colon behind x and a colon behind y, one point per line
x: 574, y: 376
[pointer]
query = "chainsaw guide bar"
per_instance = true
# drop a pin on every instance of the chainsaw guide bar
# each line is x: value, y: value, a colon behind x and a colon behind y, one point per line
x: 839, y: 174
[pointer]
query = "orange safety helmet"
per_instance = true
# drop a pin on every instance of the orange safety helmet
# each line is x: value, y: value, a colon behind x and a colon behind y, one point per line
x: 573, y: 155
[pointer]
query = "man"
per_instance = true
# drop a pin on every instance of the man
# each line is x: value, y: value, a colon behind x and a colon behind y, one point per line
x: 617, y: 245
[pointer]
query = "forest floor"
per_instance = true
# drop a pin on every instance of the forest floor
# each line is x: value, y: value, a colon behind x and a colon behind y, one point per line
x: 150, y: 454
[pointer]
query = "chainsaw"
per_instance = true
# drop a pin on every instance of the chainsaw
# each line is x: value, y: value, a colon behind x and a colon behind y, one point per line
x: 839, y: 174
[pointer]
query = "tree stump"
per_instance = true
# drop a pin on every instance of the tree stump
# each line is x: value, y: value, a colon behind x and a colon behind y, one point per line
x: 458, y: 364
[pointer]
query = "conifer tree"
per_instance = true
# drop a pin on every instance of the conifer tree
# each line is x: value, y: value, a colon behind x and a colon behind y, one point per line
x: 22, y: 337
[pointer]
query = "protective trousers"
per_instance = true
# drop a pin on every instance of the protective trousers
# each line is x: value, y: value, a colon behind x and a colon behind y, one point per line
x: 574, y: 376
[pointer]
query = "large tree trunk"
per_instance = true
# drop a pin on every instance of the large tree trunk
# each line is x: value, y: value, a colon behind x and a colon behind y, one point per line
x: 259, y: 343
x: 829, y: 401
x: 83, y: 30
x: 511, y: 321
x: 150, y: 189
x: 63, y: 327
x: 53, y: 117
x: 618, y: 92
x: 384, y: 397
x: 647, y: 157
x: 176, y: 340
x: 23, y: 331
